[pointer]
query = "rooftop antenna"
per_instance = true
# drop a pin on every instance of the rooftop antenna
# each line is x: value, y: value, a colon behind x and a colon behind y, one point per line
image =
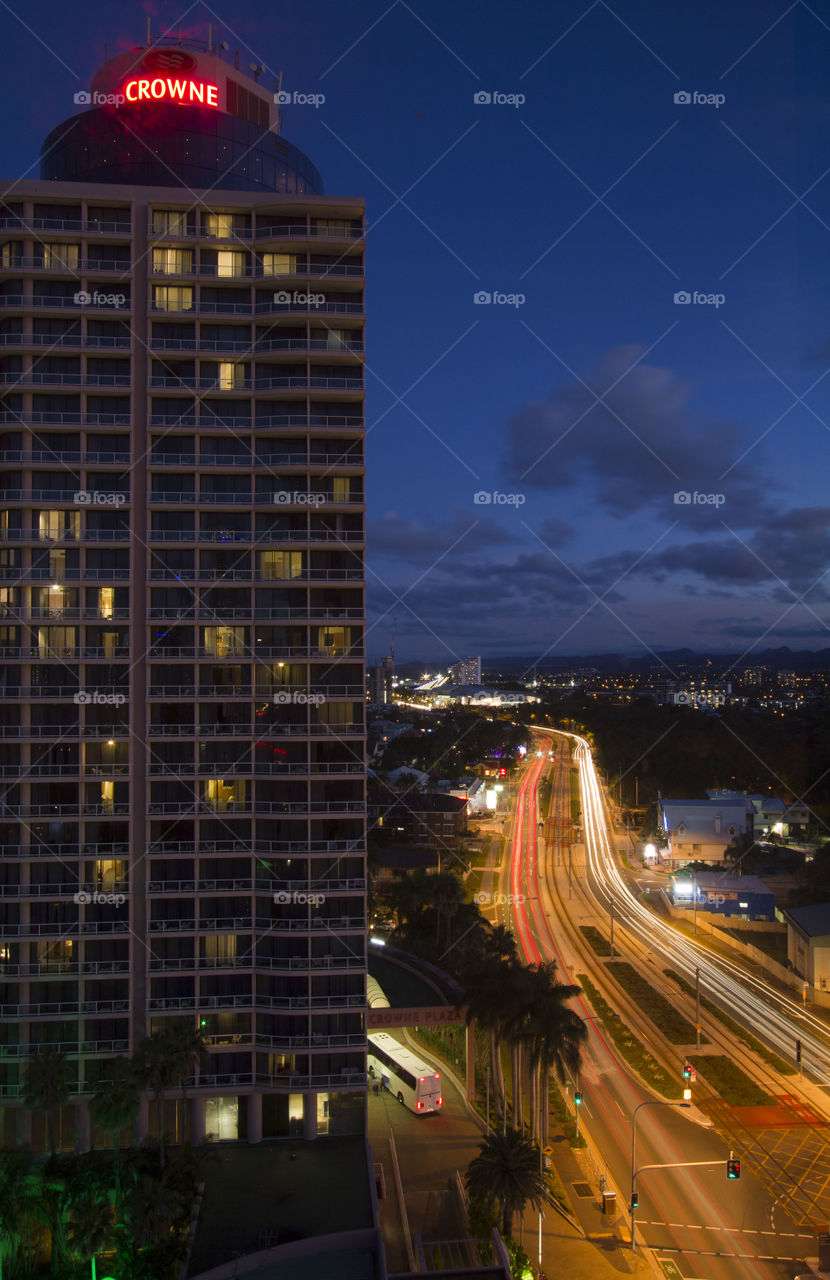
x: 257, y: 70
x: 210, y: 37
x: 149, y: 35
x: 236, y: 59
x: 392, y: 646
x: 224, y: 45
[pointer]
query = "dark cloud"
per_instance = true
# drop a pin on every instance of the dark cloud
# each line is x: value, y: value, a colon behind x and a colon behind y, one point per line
x: 638, y: 447
x: 473, y: 532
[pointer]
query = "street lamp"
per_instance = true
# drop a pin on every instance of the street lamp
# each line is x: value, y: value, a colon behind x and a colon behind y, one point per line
x: 649, y: 1102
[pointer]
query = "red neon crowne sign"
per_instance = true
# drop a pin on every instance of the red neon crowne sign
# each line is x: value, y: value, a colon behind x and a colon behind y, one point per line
x: 170, y: 89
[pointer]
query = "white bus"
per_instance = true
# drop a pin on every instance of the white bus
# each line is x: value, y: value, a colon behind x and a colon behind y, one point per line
x: 415, y: 1083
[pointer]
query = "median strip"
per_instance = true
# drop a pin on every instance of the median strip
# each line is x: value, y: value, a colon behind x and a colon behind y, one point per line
x: 630, y: 1048
x: 655, y: 1006
x: 767, y: 1055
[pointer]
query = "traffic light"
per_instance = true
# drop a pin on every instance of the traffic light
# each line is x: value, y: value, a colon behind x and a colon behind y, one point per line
x: 687, y: 1070
x: 635, y: 1200
x: 577, y: 1098
x: 733, y: 1168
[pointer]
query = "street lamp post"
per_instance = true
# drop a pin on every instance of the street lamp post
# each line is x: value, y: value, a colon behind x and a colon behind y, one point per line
x: 649, y: 1102
x: 694, y: 900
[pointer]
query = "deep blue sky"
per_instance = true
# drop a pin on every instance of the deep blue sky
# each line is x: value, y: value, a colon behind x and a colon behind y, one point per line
x: 599, y: 397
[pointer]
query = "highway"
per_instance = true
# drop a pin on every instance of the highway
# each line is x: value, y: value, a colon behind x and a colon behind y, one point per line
x: 692, y: 1217
x: 775, y: 1018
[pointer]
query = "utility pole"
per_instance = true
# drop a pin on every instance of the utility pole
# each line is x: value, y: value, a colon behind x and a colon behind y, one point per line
x: 694, y: 899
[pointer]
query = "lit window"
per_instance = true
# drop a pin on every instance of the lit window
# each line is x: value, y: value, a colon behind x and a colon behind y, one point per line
x: 280, y: 564
x: 106, y: 602
x: 61, y: 256
x: 279, y: 264
x: 172, y: 262
x: 229, y: 262
x: 168, y: 297
x: 219, y: 225
x: 231, y: 375
x: 55, y: 525
x: 169, y: 221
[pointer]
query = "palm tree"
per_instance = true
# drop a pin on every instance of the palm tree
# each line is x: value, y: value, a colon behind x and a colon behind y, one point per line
x: 187, y: 1045
x: 490, y: 992
x: 506, y: 1173
x: 113, y: 1106
x: 47, y: 1082
x: 91, y: 1228
x: 153, y: 1206
x: 157, y: 1068
x: 553, y: 1035
x: 446, y: 895
x: 23, y: 1216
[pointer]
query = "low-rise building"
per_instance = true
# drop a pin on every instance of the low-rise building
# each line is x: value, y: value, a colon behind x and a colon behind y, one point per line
x: 701, y: 830
x: 746, y: 897
x: 769, y: 815
x: 808, y: 943
x: 424, y: 819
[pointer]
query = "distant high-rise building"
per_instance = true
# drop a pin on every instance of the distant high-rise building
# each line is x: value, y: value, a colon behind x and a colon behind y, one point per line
x: 182, y: 521
x: 468, y: 671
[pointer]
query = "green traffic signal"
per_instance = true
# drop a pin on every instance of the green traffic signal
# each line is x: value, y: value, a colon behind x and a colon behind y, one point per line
x: 733, y: 1168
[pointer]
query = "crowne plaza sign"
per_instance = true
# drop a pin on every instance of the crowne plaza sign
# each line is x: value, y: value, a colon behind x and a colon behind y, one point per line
x: 436, y: 1015
x: 171, y: 89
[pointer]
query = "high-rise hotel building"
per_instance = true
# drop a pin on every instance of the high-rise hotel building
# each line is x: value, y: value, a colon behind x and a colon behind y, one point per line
x: 182, y: 739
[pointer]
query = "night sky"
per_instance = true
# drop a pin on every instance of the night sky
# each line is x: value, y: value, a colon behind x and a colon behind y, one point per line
x: 587, y: 396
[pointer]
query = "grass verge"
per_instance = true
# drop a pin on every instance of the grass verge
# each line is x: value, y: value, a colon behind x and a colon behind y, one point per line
x: 563, y: 1116
x: 655, y: 1006
x: 746, y: 1037
x: 631, y: 1049
x: 598, y: 944
x: 729, y: 1081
